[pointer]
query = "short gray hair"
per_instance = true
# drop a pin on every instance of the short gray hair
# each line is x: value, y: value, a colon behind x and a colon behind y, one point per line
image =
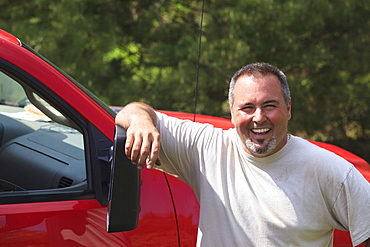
x: 260, y: 70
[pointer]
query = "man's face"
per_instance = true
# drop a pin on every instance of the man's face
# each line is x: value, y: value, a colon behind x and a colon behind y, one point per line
x: 260, y: 114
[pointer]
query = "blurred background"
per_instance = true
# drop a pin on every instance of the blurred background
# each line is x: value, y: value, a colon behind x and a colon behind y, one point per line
x: 147, y: 51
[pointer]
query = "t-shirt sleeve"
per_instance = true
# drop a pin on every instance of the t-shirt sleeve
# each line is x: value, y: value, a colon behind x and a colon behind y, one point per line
x: 352, y: 206
x: 182, y: 144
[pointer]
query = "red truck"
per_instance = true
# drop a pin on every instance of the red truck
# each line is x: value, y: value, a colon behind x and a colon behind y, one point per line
x: 56, y: 143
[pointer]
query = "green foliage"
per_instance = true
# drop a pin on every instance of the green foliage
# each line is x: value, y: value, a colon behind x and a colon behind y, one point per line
x: 147, y: 51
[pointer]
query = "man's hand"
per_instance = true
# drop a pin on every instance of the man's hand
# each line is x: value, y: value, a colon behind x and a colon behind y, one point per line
x: 142, y: 145
x: 143, y: 139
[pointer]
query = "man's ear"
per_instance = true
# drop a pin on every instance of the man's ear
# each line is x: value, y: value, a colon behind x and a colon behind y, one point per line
x: 289, y: 108
x: 232, y: 116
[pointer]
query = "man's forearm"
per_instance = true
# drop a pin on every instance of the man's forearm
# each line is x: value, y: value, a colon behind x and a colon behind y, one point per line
x: 136, y: 112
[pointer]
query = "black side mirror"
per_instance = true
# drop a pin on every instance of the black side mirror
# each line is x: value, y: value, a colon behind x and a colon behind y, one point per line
x: 124, y: 188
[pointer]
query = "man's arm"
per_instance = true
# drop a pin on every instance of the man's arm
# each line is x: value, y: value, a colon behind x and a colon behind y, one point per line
x: 143, y: 140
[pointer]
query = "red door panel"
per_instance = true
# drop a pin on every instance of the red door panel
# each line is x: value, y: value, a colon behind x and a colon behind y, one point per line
x: 83, y: 222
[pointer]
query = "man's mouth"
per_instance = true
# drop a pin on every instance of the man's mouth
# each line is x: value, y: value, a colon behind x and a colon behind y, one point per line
x: 260, y: 131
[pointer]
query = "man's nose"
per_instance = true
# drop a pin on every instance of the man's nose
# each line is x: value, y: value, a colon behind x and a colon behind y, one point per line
x: 259, y: 116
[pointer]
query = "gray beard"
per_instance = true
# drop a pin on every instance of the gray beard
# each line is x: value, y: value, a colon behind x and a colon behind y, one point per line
x: 264, y: 150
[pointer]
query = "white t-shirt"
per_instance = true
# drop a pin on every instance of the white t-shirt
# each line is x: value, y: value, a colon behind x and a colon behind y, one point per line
x: 295, y: 197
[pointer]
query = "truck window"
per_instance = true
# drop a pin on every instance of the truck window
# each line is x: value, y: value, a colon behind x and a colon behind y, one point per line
x: 38, y: 153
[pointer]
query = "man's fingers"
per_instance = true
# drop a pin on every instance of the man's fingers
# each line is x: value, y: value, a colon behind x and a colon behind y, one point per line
x: 128, y: 145
x: 154, y: 152
x: 151, y: 150
x: 144, y: 150
x: 142, y: 147
x: 133, y: 147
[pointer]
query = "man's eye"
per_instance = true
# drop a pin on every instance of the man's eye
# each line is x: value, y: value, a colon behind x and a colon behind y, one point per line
x: 270, y: 106
x: 248, y: 108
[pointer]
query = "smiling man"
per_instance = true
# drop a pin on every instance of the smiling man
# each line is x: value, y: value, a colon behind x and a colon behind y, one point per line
x: 256, y: 184
x: 260, y: 112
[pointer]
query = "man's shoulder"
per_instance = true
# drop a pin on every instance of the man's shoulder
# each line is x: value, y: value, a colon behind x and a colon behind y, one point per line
x: 311, y: 148
x: 311, y: 154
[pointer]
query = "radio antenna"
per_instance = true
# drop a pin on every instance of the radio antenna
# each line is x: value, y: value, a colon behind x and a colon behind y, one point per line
x: 198, y: 61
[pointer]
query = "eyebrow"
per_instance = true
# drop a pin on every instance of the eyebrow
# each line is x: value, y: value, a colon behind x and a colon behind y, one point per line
x: 271, y: 101
x: 263, y: 103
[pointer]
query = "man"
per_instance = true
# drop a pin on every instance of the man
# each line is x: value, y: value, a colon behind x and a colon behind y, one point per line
x: 256, y: 184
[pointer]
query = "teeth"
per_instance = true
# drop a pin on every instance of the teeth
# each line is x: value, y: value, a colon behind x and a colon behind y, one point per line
x: 259, y: 131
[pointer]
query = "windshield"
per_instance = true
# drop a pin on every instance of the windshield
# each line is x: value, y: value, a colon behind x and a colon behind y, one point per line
x: 10, y: 93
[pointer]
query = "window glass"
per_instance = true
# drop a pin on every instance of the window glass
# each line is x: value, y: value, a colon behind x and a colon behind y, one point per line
x: 39, y: 150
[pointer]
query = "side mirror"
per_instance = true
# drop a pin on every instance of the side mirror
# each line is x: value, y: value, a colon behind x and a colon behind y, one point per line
x: 124, y: 188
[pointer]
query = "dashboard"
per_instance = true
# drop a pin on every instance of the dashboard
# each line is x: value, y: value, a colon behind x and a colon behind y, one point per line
x: 36, y: 153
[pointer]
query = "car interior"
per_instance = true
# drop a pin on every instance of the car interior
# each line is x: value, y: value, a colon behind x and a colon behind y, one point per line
x: 40, y: 149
